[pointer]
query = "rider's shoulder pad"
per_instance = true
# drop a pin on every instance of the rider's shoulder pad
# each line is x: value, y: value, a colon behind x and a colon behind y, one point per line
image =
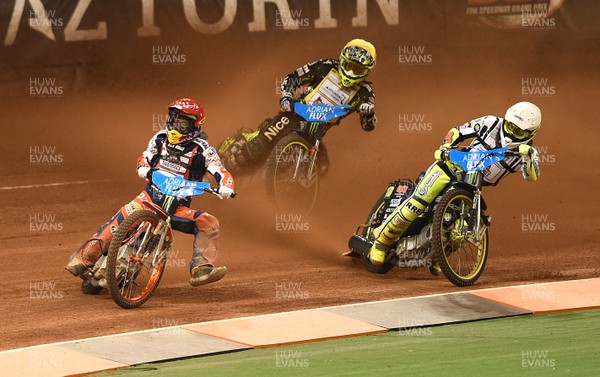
x: 201, y: 142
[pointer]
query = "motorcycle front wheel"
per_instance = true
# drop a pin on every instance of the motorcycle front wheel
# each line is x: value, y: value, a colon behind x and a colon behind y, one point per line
x: 461, y: 259
x: 134, y: 266
x: 290, y: 180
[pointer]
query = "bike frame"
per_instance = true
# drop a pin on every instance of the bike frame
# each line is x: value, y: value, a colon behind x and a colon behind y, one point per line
x: 175, y: 190
x: 473, y: 164
x: 473, y: 180
x: 165, y: 211
x: 312, y: 152
x: 314, y: 130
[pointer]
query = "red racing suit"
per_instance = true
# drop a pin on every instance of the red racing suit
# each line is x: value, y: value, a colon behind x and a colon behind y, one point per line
x: 191, y: 161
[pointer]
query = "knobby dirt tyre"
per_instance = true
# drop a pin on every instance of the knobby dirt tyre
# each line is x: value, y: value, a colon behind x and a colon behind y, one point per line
x: 125, y: 273
x: 461, y: 261
x: 295, y: 195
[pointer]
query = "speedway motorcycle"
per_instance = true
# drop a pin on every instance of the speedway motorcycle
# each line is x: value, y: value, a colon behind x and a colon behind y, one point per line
x: 452, y: 231
x: 294, y: 166
x: 137, y: 256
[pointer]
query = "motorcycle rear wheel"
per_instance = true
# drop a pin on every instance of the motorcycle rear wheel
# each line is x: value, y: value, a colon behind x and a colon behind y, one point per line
x: 131, y: 275
x: 461, y: 261
x: 367, y: 232
x: 287, y: 175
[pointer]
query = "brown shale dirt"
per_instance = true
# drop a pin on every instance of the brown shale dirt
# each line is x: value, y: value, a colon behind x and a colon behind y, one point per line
x: 100, y: 131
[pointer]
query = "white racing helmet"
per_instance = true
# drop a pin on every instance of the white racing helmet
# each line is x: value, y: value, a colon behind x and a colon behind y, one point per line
x: 521, y: 122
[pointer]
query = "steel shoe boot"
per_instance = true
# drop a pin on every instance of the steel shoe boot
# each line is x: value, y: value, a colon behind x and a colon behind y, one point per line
x: 435, y: 269
x: 207, y: 274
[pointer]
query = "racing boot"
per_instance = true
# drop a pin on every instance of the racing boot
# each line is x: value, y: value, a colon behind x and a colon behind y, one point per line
x: 241, y: 152
x: 206, y: 274
x: 435, y: 269
x: 202, y: 270
x: 85, y: 257
x: 394, y: 227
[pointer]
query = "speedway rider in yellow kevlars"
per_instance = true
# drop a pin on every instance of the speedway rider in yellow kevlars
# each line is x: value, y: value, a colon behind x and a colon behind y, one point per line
x: 329, y: 81
x: 515, y: 131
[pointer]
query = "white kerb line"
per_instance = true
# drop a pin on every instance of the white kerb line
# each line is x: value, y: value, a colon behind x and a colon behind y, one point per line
x: 48, y: 185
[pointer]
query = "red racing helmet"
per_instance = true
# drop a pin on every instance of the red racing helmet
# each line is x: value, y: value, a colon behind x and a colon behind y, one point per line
x: 185, y: 120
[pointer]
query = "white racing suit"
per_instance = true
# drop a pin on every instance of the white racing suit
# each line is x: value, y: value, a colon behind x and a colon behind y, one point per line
x: 485, y: 132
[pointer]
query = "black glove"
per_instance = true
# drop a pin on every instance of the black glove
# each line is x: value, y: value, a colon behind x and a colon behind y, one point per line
x: 285, y: 104
x: 368, y: 123
x: 366, y: 108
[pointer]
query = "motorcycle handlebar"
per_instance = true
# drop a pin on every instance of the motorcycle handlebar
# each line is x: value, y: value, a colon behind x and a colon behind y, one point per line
x: 215, y: 191
x: 510, y: 152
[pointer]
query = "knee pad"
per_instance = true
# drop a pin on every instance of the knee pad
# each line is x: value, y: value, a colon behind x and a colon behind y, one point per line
x: 402, y: 217
x: 91, y: 250
x: 243, y: 153
x: 208, y: 224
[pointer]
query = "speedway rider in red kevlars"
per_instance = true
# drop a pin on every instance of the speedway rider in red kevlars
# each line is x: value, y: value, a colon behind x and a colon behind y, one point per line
x: 179, y: 149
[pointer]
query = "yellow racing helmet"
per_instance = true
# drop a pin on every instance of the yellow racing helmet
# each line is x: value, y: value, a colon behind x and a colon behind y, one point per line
x: 357, y: 60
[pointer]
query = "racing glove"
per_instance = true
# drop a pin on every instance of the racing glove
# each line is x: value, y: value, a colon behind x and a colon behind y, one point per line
x: 225, y: 192
x: 285, y: 104
x: 530, y: 168
x: 366, y: 108
x: 145, y: 172
x: 369, y: 122
x: 526, y: 150
x: 442, y: 153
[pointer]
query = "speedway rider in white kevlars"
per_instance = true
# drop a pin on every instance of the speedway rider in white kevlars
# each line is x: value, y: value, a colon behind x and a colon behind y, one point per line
x: 515, y: 131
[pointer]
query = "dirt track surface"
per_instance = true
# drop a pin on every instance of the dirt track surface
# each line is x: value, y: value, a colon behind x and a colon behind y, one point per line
x: 542, y: 231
